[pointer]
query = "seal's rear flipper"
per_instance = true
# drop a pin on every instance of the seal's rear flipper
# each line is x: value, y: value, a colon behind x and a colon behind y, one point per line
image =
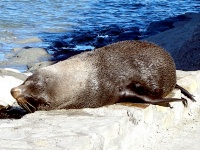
x: 131, y: 96
x: 185, y: 92
x: 167, y: 100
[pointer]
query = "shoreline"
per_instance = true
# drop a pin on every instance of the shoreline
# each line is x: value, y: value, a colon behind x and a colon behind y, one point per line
x: 118, y: 126
x: 34, y: 58
x: 175, y: 34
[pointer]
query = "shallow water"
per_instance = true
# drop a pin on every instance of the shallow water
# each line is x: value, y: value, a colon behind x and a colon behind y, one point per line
x: 21, y: 19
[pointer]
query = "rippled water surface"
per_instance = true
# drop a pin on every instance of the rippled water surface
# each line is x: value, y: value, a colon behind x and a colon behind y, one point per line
x: 26, y: 18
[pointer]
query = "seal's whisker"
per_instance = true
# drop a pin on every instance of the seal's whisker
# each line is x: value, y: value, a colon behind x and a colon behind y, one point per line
x: 24, y: 105
x: 29, y: 104
x: 20, y: 104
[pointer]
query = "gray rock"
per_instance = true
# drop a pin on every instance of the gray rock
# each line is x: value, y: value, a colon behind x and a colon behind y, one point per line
x: 34, y: 66
x: 28, y: 40
x: 9, y: 78
x: 121, y: 126
x: 21, y: 58
x: 182, y: 42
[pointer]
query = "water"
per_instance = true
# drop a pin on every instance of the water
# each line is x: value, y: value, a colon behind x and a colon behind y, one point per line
x: 21, y: 19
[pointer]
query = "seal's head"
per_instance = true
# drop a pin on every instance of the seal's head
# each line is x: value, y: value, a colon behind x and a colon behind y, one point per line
x: 29, y: 95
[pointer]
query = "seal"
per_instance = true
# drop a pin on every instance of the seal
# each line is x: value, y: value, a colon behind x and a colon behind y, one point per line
x: 123, y: 71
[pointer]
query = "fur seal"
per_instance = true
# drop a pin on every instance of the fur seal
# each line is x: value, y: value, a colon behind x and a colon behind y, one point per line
x: 123, y: 71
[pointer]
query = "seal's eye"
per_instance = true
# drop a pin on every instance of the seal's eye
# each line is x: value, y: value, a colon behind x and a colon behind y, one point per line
x: 47, y: 77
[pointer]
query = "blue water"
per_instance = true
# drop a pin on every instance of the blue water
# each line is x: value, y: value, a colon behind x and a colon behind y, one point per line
x: 21, y: 19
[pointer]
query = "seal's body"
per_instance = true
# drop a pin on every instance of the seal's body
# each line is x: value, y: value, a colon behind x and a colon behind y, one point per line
x: 124, y: 71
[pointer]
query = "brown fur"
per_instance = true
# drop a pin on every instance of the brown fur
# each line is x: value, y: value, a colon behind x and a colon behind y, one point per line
x: 122, y: 71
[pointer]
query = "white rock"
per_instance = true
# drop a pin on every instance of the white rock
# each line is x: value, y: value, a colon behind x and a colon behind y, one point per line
x: 6, y: 84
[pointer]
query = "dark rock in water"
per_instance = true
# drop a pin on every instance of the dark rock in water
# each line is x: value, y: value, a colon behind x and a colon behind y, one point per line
x: 187, y: 57
x: 163, y: 25
x: 62, y: 55
x: 133, y: 29
x: 98, y: 37
x: 128, y: 35
x: 182, y: 17
x: 159, y: 26
x: 59, y: 44
x: 102, y: 41
x: 83, y: 38
x: 114, y: 34
x: 64, y: 46
x: 131, y: 33
x: 112, y: 30
x: 182, y: 41
x: 12, y: 113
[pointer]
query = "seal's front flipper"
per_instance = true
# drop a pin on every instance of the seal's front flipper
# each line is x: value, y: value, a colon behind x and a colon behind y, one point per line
x: 131, y: 96
x: 185, y: 92
x: 12, y: 112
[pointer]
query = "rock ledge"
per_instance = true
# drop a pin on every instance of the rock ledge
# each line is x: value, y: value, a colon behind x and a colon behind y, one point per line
x: 119, y: 126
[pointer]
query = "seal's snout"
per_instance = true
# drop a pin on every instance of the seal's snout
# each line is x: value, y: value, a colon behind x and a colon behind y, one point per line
x: 15, y: 92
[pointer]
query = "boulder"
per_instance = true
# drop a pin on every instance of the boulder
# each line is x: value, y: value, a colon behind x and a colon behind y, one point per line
x: 20, y: 58
x: 182, y: 42
x: 9, y: 78
x: 119, y: 126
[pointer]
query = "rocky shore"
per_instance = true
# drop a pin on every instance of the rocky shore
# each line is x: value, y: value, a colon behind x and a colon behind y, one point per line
x: 179, y: 35
x: 182, y: 41
x: 120, y: 126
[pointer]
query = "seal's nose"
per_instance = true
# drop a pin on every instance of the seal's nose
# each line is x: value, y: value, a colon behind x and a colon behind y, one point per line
x: 15, y: 92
